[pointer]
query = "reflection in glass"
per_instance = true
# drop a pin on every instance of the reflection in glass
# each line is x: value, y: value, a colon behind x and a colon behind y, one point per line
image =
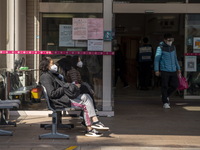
x: 74, y: 1
x: 150, y: 1
x: 194, y: 1
x: 91, y: 71
x: 194, y: 83
x: 193, y: 32
x: 50, y: 30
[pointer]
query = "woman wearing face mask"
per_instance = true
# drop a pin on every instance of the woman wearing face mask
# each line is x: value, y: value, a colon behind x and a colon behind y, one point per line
x: 166, y: 65
x: 74, y: 76
x: 59, y: 99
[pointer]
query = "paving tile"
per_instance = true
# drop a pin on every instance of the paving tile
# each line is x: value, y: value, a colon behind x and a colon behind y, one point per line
x: 138, y: 124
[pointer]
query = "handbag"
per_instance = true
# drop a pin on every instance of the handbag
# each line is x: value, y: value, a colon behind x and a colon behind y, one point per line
x: 183, y: 84
x: 86, y: 88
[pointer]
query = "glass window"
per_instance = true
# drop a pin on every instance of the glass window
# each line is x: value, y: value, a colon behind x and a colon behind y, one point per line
x: 192, y: 65
x: 149, y: 1
x: 50, y: 30
x: 91, y: 71
x: 74, y: 1
x: 194, y: 1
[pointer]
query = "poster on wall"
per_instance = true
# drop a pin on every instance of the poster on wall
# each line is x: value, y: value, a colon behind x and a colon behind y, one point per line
x: 196, y: 44
x: 95, y: 28
x: 65, y: 36
x: 191, y: 63
x: 80, y: 30
x: 80, y: 43
x: 95, y: 45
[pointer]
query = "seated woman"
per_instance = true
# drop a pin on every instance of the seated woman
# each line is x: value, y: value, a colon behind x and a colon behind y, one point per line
x: 59, y: 99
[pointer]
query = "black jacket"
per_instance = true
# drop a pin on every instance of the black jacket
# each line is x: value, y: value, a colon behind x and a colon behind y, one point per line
x: 55, y: 92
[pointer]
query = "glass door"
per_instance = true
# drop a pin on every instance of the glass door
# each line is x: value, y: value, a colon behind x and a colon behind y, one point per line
x: 192, y: 55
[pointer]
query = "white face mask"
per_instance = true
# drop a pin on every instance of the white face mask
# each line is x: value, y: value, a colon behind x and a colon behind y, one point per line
x: 54, y: 68
x: 169, y: 43
x: 80, y: 64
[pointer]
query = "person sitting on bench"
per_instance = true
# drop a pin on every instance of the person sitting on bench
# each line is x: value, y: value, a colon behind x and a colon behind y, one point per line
x: 50, y: 79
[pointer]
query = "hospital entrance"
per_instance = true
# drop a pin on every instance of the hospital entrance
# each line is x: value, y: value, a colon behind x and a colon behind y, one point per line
x: 130, y: 29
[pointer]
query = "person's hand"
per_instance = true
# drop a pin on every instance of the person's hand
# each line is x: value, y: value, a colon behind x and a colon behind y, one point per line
x: 78, y: 85
x: 157, y: 73
x: 178, y: 71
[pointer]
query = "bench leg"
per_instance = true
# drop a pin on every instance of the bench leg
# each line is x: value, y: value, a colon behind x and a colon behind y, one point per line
x: 3, y: 120
x: 4, y: 132
x: 59, y: 126
x: 59, y: 123
x: 54, y: 136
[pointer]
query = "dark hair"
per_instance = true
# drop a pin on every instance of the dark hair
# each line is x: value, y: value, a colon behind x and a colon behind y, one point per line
x: 145, y: 40
x: 168, y: 35
x: 74, y: 61
x: 44, y: 64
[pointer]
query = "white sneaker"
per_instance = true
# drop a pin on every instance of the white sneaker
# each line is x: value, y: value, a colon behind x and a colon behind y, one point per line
x: 99, y: 126
x: 168, y: 100
x: 93, y: 133
x: 166, y: 106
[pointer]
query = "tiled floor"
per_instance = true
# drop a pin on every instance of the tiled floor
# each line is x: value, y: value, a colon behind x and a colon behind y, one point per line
x: 140, y: 123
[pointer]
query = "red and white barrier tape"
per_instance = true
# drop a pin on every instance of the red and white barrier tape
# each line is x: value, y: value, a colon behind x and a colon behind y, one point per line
x: 192, y: 54
x: 57, y: 52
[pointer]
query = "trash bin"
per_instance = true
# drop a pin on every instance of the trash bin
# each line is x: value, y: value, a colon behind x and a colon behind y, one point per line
x: 36, y: 94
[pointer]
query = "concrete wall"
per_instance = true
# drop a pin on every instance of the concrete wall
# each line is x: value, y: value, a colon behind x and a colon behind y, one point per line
x: 30, y: 31
x: 3, y: 32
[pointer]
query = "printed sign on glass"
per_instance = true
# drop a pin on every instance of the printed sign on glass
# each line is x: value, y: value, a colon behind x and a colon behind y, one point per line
x: 65, y: 36
x: 79, y: 31
x: 191, y: 63
x: 196, y: 44
x: 95, y: 28
x: 95, y: 45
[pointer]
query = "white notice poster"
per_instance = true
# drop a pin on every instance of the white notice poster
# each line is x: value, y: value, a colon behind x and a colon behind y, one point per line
x: 191, y: 63
x: 95, y: 45
x: 79, y: 31
x: 65, y: 36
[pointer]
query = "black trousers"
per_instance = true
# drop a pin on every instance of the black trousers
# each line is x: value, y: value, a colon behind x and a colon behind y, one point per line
x: 169, y: 84
x: 120, y: 74
x: 145, y: 74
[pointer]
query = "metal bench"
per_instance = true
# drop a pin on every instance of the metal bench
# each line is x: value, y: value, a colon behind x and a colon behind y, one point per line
x: 5, y: 112
x: 6, y: 105
x: 56, y: 121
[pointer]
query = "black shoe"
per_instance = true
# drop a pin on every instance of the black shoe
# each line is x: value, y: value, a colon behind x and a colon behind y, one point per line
x: 126, y: 86
x: 144, y: 88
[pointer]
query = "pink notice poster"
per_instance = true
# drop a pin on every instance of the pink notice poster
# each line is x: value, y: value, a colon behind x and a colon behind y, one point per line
x: 79, y: 31
x: 95, y: 28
